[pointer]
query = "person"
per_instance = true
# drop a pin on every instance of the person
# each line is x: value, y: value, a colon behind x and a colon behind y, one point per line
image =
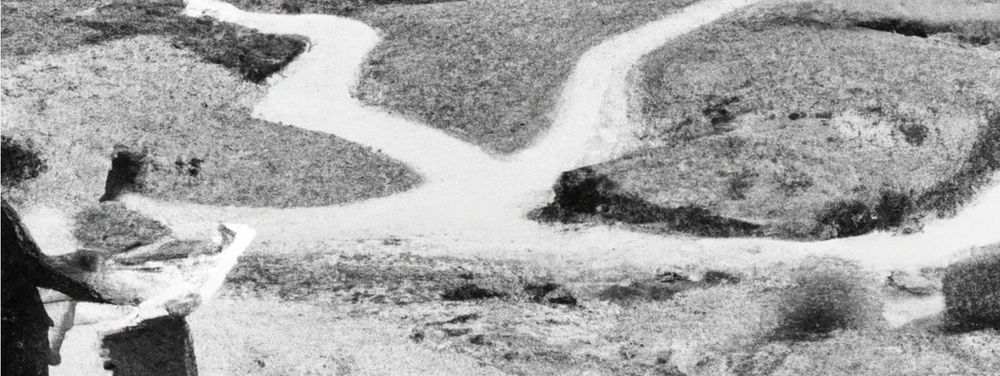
x: 25, y: 324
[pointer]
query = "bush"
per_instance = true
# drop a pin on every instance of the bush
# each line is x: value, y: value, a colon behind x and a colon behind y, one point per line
x: 972, y: 291
x: 113, y: 228
x: 19, y: 162
x: 828, y: 294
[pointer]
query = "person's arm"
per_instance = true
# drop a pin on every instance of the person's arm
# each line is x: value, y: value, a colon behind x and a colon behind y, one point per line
x: 39, y: 267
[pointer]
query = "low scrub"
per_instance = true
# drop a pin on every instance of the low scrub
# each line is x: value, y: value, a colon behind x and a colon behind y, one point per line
x: 20, y: 162
x: 827, y: 294
x: 972, y: 291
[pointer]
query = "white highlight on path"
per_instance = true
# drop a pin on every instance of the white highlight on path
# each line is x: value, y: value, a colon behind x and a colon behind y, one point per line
x: 472, y: 204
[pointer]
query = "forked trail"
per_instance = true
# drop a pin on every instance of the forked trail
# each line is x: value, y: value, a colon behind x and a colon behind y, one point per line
x: 473, y: 204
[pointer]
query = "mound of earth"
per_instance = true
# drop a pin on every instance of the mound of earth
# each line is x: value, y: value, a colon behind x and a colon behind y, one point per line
x: 803, y: 127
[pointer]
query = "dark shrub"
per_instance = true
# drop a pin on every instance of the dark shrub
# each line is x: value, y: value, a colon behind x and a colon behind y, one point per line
x: 127, y: 174
x: 19, y: 162
x: 972, y: 291
x: 846, y: 218
x: 112, y: 227
x: 892, y: 209
x: 914, y: 133
x: 471, y: 291
x: 828, y: 294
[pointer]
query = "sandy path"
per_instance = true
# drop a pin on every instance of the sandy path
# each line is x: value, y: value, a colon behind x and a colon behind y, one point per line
x: 473, y: 204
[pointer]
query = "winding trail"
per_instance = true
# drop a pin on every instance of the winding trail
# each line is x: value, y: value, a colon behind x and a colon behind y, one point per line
x: 474, y: 204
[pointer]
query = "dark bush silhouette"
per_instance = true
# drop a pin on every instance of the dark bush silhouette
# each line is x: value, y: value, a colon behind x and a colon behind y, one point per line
x: 127, y: 174
x: 471, y: 291
x: 972, y: 292
x: 828, y: 294
x: 19, y: 162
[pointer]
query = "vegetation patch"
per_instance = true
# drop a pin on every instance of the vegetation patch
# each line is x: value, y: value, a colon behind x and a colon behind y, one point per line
x: 113, y: 228
x: 488, y: 71
x: 827, y: 294
x: 749, y: 120
x: 20, y: 162
x: 972, y: 291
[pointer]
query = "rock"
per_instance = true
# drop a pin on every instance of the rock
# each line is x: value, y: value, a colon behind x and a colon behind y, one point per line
x: 455, y: 332
x: 912, y: 283
x: 972, y: 291
x: 673, y: 275
x: 478, y: 339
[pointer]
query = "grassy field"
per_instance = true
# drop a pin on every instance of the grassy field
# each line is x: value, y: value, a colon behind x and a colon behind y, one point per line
x: 82, y: 90
x: 796, y: 118
x: 488, y: 71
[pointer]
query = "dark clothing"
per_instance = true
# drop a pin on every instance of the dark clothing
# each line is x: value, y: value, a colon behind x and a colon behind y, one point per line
x: 25, y: 323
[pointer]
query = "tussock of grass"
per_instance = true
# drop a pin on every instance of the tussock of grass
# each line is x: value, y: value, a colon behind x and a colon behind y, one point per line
x: 827, y: 294
x: 488, y: 71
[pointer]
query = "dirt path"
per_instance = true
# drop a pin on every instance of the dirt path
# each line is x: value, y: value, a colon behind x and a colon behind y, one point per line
x: 473, y: 204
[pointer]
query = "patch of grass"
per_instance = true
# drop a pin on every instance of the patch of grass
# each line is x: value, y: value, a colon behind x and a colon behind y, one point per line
x: 799, y: 133
x: 20, y: 162
x: 144, y: 94
x: 338, y: 7
x: 113, y: 228
x: 488, y: 71
x: 827, y: 294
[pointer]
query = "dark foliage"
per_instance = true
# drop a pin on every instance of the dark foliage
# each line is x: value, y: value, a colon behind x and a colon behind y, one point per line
x: 828, y: 294
x: 972, y: 292
x: 583, y: 191
x: 471, y: 291
x: 715, y: 277
x: 20, y: 162
x: 852, y: 218
x: 127, y: 174
x: 914, y: 133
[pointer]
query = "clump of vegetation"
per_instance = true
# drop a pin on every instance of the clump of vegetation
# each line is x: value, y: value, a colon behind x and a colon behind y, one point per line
x: 827, y: 294
x: 471, y: 291
x: 253, y: 55
x: 972, y: 291
x: 113, y: 228
x: 20, y: 162
x: 128, y: 173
